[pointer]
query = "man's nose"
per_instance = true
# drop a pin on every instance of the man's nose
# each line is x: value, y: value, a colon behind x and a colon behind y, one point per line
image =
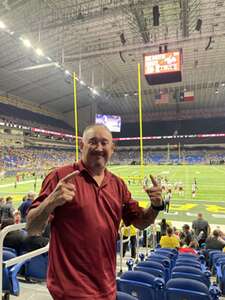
x: 99, y: 146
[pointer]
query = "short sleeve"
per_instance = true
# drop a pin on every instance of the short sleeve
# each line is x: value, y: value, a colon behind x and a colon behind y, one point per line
x: 130, y: 209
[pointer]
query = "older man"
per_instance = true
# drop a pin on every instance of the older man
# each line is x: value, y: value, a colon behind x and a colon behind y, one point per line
x: 85, y: 203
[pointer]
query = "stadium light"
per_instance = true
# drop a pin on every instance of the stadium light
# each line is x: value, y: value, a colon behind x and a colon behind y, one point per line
x: 39, y: 52
x: 2, y: 25
x: 82, y: 82
x: 67, y: 73
x: 94, y: 92
x: 57, y: 65
x: 26, y: 43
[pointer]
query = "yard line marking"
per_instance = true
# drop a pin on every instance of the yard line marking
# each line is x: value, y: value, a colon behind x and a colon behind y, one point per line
x: 171, y: 213
x: 218, y: 216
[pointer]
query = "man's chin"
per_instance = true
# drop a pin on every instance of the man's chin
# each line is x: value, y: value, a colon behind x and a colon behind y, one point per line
x: 99, y: 164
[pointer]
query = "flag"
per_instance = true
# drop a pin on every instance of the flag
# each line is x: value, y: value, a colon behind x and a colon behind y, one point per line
x: 161, y: 97
x: 187, y: 96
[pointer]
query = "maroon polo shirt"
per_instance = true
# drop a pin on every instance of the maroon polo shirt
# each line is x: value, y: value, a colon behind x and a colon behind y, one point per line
x: 82, y: 254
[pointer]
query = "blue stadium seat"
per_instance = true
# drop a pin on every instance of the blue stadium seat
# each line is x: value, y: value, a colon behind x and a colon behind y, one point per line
x: 220, y: 273
x: 188, y: 256
x: 173, y: 250
x: 10, y: 249
x: 164, y: 251
x: 141, y: 285
x: 188, y: 289
x: 188, y: 263
x: 10, y: 284
x: 153, y: 268
x: 211, y: 253
x: 165, y: 261
x: 152, y: 271
x: 36, y: 268
x: 191, y: 273
x: 152, y: 264
x: 215, y: 258
x: 124, y: 296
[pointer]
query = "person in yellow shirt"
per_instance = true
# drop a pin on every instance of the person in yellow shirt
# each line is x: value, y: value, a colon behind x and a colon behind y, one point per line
x: 130, y: 231
x: 169, y: 240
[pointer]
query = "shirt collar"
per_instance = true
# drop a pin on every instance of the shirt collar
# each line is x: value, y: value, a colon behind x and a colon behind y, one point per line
x: 81, y: 167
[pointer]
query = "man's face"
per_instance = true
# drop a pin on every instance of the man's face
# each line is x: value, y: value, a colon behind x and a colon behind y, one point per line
x: 96, y: 147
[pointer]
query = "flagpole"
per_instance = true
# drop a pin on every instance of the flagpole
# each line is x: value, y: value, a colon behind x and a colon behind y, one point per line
x: 140, y: 121
x: 75, y: 116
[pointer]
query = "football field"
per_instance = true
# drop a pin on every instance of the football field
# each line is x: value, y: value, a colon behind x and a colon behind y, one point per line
x: 210, y: 196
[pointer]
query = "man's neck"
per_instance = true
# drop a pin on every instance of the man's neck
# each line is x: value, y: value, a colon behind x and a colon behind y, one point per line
x: 95, y: 172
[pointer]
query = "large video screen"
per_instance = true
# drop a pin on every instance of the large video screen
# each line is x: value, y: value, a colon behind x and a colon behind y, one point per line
x: 162, y: 63
x: 110, y: 121
x: 162, y: 67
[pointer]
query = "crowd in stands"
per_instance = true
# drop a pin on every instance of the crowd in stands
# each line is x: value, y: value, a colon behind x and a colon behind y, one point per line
x: 11, y: 158
x: 188, y: 239
x: 197, y: 237
x: 161, y: 157
x: 34, y: 158
x: 19, y: 239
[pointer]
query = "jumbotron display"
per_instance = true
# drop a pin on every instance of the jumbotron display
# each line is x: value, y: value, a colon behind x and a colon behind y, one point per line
x: 110, y: 121
x: 163, y: 67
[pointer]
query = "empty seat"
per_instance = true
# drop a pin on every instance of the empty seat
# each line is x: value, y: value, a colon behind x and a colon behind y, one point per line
x: 192, y: 273
x: 141, y: 285
x: 36, y: 268
x: 188, y: 289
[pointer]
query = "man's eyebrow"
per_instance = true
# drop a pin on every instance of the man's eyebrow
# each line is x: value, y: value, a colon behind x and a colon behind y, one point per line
x: 99, y: 139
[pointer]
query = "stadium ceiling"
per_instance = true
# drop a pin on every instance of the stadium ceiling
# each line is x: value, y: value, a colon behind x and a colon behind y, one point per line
x: 103, y: 41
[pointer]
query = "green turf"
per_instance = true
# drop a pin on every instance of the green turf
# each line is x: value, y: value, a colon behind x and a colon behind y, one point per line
x: 210, y: 198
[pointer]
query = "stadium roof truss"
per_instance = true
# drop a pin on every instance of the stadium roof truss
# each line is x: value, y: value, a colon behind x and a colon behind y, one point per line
x: 103, y: 41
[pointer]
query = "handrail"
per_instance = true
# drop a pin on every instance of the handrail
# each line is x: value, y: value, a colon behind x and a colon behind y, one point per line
x: 17, y: 259
x: 23, y: 257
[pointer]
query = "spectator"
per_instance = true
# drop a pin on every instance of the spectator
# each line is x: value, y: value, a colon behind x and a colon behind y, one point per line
x: 2, y: 202
x: 189, y: 249
x: 7, y: 209
x: 163, y: 227
x: 130, y: 232
x: 170, y: 240
x: 17, y: 217
x: 214, y: 241
x: 23, y: 208
x: 186, y: 236
x: 201, y: 229
x: 14, y: 239
x: 85, y: 203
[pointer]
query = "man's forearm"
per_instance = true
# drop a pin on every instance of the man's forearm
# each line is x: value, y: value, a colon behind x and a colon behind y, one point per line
x: 148, y: 218
x: 38, y: 217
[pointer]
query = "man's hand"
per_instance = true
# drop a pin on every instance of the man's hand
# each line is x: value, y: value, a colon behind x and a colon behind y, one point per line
x: 64, y: 191
x: 155, y: 192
